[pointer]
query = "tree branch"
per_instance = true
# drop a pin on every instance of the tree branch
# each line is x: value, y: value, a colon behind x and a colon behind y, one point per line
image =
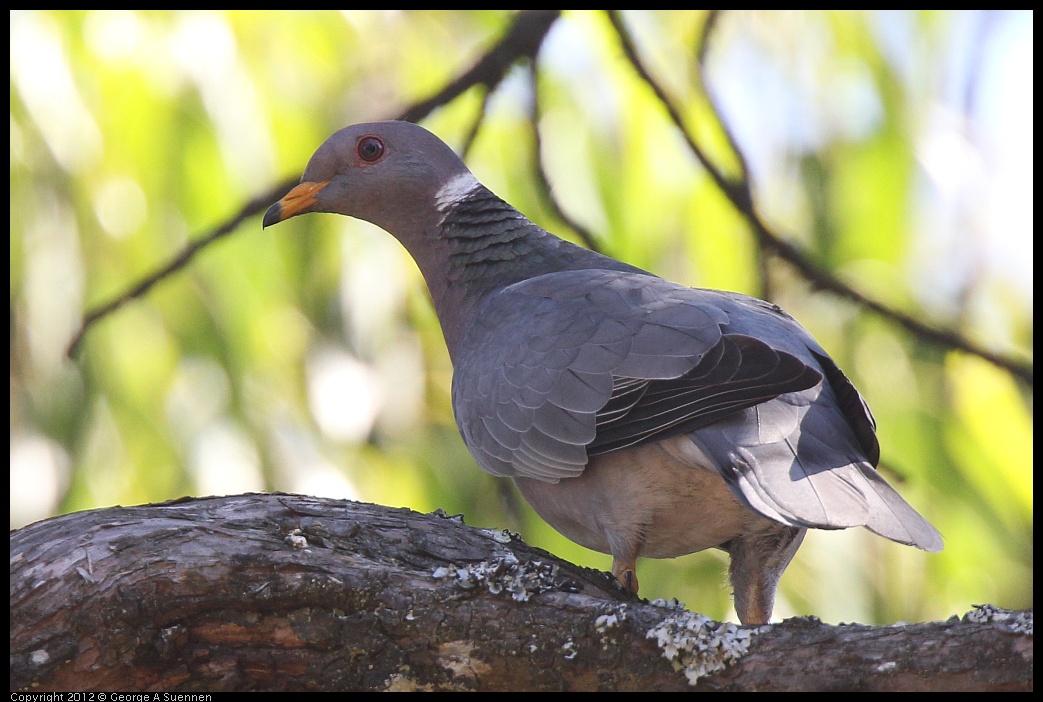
x: 283, y: 592
x: 739, y: 192
x: 522, y: 40
x: 175, y: 264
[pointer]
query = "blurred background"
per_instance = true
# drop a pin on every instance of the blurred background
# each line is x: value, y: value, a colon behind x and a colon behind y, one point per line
x: 894, y: 148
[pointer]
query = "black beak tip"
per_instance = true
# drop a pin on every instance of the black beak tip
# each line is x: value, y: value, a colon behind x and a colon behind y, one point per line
x: 272, y: 216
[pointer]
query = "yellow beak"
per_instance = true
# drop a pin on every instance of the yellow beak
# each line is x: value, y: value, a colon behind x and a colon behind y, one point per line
x: 294, y: 202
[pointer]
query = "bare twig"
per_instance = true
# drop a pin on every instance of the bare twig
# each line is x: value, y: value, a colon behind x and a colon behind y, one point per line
x: 588, y: 238
x: 472, y: 133
x: 702, y: 50
x: 178, y: 262
x: 738, y: 191
x: 522, y: 40
x: 710, y: 24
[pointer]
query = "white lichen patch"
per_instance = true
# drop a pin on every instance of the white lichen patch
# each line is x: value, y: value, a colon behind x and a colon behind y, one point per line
x: 570, y: 650
x: 1015, y: 622
x: 672, y: 603
x: 502, y: 536
x: 606, y: 622
x: 505, y: 574
x: 699, y: 645
x: 296, y: 539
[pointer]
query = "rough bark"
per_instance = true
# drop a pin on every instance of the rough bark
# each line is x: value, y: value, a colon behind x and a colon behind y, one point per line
x: 284, y: 592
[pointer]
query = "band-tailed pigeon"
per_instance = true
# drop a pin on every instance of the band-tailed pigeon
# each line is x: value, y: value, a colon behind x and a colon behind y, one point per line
x: 637, y: 416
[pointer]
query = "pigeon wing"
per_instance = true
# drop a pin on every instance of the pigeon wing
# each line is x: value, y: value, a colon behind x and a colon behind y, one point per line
x: 567, y: 365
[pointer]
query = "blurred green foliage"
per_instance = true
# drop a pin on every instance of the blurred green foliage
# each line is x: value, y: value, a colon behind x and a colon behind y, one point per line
x: 307, y: 358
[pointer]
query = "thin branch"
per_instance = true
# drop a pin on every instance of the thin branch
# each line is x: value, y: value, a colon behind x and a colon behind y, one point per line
x: 588, y: 238
x: 472, y: 133
x: 736, y: 190
x: 522, y: 40
x: 702, y: 51
x: 178, y: 262
x: 739, y: 193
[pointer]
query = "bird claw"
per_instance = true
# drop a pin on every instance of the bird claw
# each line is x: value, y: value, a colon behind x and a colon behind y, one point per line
x: 627, y: 579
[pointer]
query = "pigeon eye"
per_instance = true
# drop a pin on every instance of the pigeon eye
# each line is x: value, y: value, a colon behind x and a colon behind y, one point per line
x: 370, y: 149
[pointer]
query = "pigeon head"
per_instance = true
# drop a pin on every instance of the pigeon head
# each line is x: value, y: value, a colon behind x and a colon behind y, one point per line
x: 405, y: 180
x: 392, y: 174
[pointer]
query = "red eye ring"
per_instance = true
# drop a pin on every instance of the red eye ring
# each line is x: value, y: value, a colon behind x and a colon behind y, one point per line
x: 370, y: 149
